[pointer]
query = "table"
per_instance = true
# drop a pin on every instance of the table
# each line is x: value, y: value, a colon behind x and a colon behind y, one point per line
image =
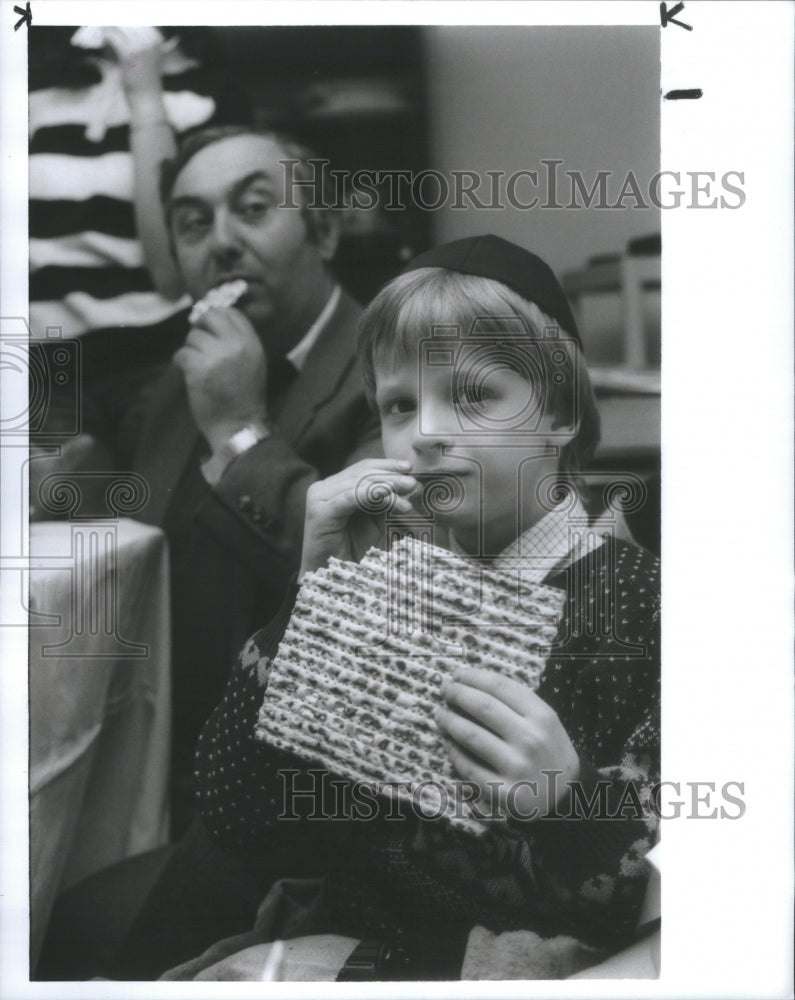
x: 99, y: 701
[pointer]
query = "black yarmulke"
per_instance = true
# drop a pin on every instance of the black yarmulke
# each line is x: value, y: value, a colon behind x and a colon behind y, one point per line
x: 493, y: 257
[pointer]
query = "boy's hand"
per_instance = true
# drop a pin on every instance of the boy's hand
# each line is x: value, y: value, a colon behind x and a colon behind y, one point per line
x: 373, y: 483
x: 501, y: 735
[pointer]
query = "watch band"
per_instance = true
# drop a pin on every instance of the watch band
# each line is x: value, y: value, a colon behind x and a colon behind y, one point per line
x: 215, y: 466
x: 374, y: 961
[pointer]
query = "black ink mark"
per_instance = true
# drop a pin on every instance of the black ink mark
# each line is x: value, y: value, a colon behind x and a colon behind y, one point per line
x: 668, y: 15
x: 684, y: 95
x: 27, y: 16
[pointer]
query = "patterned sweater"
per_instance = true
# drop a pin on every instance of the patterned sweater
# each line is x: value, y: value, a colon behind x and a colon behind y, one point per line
x: 422, y: 886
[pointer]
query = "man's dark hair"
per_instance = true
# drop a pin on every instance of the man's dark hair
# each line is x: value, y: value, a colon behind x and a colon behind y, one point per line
x: 308, y: 167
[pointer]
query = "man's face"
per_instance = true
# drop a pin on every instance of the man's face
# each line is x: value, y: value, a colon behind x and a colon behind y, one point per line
x: 492, y: 474
x: 226, y: 224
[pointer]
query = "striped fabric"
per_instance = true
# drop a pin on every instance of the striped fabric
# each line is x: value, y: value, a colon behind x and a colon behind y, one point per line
x: 86, y: 263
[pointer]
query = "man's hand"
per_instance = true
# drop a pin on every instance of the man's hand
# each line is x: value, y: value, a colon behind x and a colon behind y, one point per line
x: 225, y: 369
x: 501, y: 735
x: 372, y: 484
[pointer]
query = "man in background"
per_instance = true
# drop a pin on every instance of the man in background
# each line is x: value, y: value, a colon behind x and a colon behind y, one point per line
x: 263, y: 398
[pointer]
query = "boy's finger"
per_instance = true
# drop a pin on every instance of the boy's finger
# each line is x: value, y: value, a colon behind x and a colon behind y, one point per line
x: 388, y: 476
x: 489, y: 711
x: 381, y: 497
x: 391, y: 464
x: 366, y: 478
x: 374, y: 491
x: 519, y: 697
x: 474, y: 739
x: 468, y: 767
x: 353, y: 478
x: 343, y: 504
x: 398, y: 481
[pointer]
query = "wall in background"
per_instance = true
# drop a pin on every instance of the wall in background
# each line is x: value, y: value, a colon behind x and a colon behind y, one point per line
x: 504, y: 98
x: 356, y: 95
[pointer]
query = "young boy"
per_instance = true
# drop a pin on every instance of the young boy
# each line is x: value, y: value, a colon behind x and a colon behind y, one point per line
x: 473, y: 361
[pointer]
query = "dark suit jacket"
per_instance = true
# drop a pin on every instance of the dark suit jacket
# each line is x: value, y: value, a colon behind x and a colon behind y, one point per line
x: 233, y: 547
x: 256, y: 510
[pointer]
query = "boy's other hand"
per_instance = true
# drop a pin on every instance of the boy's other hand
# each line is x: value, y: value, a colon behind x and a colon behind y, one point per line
x: 501, y: 735
x: 372, y: 484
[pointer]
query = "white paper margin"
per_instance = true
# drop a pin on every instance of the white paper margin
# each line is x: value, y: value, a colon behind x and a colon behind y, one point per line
x: 727, y: 500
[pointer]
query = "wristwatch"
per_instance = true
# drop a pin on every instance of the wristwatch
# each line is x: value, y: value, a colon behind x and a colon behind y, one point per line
x: 374, y: 961
x: 215, y: 466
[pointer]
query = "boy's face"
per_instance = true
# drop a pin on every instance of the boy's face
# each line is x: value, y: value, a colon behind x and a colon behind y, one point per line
x: 479, y: 431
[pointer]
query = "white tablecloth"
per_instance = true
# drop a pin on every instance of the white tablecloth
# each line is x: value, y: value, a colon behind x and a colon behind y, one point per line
x: 99, y: 701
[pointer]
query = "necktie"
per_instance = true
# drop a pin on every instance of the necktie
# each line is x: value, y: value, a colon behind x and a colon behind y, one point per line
x: 281, y: 375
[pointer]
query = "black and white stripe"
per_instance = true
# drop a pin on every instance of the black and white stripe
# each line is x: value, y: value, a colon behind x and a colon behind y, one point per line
x: 87, y: 268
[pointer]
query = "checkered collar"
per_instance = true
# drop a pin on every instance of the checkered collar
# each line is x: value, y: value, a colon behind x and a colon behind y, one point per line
x: 552, y: 544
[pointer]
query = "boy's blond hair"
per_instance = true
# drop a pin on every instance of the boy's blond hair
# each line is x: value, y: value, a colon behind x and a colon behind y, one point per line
x: 405, y: 312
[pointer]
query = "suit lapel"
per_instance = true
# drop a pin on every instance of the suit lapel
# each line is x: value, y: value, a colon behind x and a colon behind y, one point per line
x: 167, y: 445
x: 326, y: 366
